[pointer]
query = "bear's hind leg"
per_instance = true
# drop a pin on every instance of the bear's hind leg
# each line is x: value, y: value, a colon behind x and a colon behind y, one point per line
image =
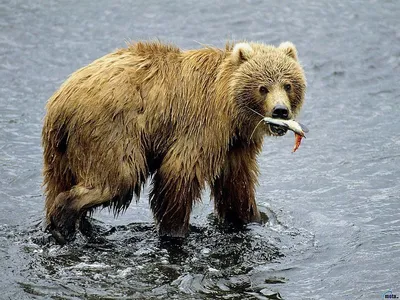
x: 64, y: 215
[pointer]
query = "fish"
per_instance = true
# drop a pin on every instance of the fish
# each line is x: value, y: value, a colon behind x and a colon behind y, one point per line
x: 299, y: 129
x: 292, y: 125
x: 297, y: 142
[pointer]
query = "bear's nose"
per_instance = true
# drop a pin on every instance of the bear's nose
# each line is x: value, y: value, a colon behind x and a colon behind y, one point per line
x: 280, y: 112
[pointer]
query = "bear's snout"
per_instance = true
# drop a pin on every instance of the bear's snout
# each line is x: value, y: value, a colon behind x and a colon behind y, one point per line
x: 280, y: 111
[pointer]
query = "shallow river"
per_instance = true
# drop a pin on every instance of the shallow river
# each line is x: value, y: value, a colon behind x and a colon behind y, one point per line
x: 333, y: 207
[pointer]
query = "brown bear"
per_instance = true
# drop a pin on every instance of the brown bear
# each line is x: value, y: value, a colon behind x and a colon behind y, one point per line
x: 186, y: 119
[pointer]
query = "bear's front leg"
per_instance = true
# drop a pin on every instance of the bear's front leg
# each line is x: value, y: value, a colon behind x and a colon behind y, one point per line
x: 234, y: 190
x: 172, y: 196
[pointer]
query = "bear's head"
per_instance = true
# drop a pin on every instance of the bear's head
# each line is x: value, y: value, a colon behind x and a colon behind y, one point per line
x: 267, y: 81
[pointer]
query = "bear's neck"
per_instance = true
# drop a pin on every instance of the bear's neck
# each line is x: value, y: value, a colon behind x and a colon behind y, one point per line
x: 207, y: 73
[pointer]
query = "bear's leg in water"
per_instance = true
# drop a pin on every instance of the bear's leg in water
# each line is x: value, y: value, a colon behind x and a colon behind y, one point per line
x: 234, y: 190
x: 70, y: 206
x: 174, y: 190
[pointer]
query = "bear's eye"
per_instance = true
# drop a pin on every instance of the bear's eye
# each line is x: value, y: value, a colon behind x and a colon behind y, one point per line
x: 287, y: 87
x: 263, y: 90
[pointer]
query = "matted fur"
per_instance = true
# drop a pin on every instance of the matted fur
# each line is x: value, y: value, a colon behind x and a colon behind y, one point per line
x: 183, y: 117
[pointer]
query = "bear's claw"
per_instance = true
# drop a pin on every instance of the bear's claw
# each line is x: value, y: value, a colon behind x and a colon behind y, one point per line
x: 63, y: 228
x: 62, y: 237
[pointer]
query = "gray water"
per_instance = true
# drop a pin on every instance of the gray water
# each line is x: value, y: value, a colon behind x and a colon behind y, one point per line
x: 333, y: 206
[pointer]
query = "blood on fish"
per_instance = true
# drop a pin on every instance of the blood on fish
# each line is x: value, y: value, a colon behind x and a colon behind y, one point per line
x: 297, y: 142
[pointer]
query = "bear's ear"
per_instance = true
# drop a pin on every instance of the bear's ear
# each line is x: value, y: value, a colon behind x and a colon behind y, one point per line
x: 289, y: 49
x: 242, y: 52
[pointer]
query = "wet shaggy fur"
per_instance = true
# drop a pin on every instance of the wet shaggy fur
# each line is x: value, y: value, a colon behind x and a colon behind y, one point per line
x: 185, y: 119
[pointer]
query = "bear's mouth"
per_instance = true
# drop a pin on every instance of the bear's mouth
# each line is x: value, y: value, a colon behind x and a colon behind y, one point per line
x: 277, y: 130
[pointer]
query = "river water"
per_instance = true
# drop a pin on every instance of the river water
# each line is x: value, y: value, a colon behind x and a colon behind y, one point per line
x: 333, y: 206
